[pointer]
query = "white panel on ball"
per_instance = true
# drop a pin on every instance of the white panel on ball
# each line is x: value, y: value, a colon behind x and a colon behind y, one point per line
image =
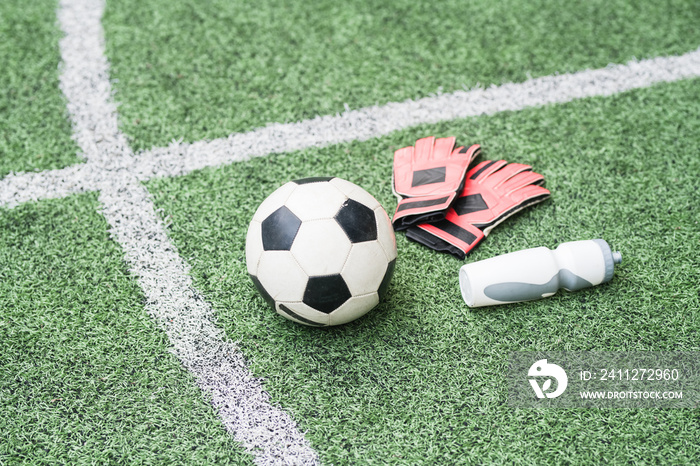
x: 282, y: 277
x: 305, y: 201
x: 321, y: 247
x: 355, y: 192
x: 274, y: 201
x: 363, y: 273
x: 253, y: 247
x: 355, y: 307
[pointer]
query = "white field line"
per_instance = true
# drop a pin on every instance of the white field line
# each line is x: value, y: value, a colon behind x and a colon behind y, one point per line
x: 190, y: 323
x: 182, y: 158
x: 359, y: 125
x: 267, y: 432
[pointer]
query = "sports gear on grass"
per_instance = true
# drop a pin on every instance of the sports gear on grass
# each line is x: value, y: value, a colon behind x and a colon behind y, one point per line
x: 493, y: 191
x: 427, y: 178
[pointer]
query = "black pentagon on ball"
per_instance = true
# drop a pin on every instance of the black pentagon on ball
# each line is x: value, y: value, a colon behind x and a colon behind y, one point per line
x: 263, y: 292
x: 313, y: 179
x: 357, y: 221
x: 384, y: 285
x: 279, y: 230
x: 326, y: 293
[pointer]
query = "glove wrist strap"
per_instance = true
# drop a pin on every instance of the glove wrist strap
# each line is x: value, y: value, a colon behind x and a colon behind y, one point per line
x: 414, y: 210
x: 447, y: 236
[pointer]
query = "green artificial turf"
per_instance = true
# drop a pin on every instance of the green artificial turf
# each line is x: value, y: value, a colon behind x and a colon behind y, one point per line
x: 85, y: 375
x: 35, y: 133
x: 421, y: 379
x: 195, y: 69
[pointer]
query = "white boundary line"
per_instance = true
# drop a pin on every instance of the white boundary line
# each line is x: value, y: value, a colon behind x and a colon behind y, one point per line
x: 182, y: 158
x: 370, y: 122
x: 265, y: 431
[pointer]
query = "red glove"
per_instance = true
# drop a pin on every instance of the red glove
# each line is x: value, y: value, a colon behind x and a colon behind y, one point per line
x: 427, y: 178
x: 493, y: 191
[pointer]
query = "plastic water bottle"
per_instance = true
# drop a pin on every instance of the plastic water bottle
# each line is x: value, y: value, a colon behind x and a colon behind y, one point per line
x: 537, y: 273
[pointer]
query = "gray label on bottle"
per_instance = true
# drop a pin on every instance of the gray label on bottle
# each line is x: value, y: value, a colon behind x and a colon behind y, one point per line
x: 518, y: 291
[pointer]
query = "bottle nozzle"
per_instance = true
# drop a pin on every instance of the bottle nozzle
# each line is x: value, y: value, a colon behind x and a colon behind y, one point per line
x: 617, y: 257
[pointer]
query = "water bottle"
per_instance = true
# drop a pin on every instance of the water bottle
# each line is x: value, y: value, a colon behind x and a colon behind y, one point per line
x: 537, y: 273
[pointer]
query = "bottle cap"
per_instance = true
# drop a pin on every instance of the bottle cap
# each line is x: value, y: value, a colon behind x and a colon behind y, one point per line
x: 609, y: 257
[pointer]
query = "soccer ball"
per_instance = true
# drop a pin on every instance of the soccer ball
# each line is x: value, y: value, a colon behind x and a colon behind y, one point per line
x: 321, y: 251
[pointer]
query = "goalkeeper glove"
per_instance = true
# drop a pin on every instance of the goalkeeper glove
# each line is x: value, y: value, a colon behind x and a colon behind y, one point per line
x: 493, y: 191
x: 427, y: 178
